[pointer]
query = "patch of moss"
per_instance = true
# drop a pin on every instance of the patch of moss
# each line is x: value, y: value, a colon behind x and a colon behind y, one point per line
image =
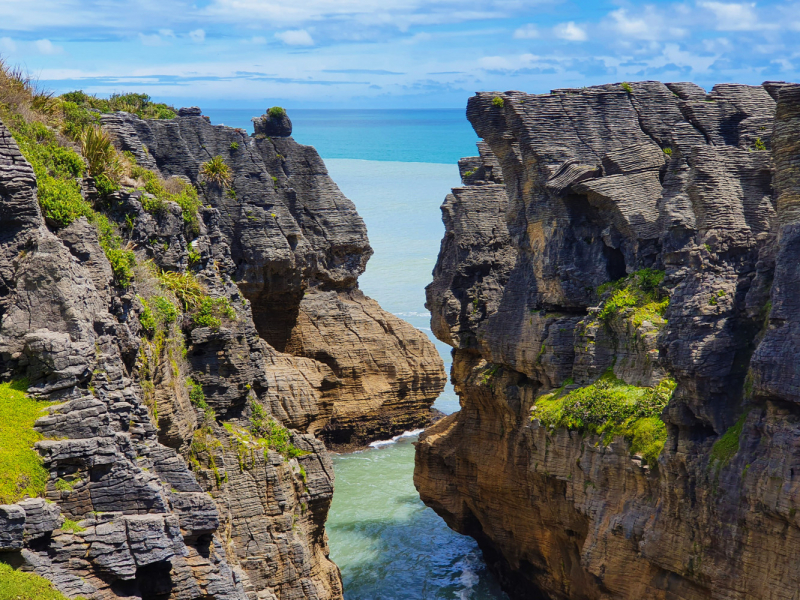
x: 610, y: 407
x: 18, y: 585
x: 21, y: 470
x: 726, y: 447
x: 638, y: 291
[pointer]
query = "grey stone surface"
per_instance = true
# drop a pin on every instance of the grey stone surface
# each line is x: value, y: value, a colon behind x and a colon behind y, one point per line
x: 597, y: 183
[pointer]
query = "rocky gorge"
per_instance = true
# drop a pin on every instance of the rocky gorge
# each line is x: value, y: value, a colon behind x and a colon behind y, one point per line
x: 618, y: 282
x: 186, y: 333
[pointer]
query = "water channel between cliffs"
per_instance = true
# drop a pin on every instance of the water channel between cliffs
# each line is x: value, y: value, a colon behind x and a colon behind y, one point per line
x: 386, y: 542
x: 396, y: 166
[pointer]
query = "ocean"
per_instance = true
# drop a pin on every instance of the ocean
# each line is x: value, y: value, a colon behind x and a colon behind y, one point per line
x: 397, y: 166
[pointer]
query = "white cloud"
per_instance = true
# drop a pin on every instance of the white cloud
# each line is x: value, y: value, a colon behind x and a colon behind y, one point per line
x: 734, y: 17
x: 7, y: 45
x: 570, y: 32
x: 198, y: 36
x: 526, y: 32
x: 151, y: 40
x: 47, y: 47
x: 166, y: 33
x: 295, y: 37
x: 258, y: 39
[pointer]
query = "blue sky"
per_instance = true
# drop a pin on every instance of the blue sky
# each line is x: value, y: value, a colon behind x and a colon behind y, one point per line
x: 390, y: 53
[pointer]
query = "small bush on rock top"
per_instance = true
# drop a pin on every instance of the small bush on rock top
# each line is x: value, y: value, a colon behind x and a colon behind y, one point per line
x: 276, y: 112
x: 627, y: 87
x: 216, y: 171
x: 21, y: 471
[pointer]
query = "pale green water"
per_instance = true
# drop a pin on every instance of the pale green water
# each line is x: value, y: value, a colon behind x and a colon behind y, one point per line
x: 388, y: 544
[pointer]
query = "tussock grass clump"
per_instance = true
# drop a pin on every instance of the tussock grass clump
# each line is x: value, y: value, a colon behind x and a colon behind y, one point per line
x: 610, y: 407
x: 104, y: 161
x: 216, y: 171
x: 18, y: 585
x: 21, y: 470
x: 638, y: 291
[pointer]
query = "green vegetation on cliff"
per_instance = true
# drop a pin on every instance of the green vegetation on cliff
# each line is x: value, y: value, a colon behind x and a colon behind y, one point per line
x: 610, y: 407
x: 140, y: 105
x: 21, y: 470
x: 18, y: 585
x: 638, y: 291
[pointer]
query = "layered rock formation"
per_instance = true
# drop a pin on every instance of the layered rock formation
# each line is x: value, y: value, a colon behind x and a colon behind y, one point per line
x: 297, y: 247
x: 158, y: 486
x: 573, y: 190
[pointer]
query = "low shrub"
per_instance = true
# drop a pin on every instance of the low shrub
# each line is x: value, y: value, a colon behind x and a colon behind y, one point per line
x: 276, y: 112
x: 627, y: 87
x: 140, y: 105
x: 498, y: 102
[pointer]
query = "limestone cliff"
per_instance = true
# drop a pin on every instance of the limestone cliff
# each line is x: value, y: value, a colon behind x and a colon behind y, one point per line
x: 182, y: 443
x: 577, y: 197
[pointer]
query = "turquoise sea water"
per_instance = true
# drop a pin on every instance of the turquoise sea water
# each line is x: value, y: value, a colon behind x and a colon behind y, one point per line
x: 427, y: 136
x: 397, y: 167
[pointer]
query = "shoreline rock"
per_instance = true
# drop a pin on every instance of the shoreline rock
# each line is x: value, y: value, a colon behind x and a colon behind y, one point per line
x: 571, y: 191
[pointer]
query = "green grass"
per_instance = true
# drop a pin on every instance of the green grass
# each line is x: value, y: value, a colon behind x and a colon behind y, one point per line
x: 72, y: 526
x: 726, y: 447
x: 627, y: 87
x: 17, y: 585
x: 638, y: 291
x: 21, y: 470
x: 610, y: 407
x: 276, y: 111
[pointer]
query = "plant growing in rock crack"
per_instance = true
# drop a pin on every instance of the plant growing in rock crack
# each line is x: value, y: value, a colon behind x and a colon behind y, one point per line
x: 216, y: 171
x: 498, y: 102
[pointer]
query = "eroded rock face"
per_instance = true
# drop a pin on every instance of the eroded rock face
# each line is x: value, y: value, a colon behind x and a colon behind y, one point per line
x: 153, y: 493
x: 593, y: 184
x: 298, y: 246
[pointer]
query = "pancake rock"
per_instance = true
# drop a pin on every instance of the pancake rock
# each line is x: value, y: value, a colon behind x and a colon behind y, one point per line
x: 577, y: 198
x: 182, y: 438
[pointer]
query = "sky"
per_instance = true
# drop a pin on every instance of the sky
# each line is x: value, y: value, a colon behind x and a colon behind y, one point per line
x: 389, y: 53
